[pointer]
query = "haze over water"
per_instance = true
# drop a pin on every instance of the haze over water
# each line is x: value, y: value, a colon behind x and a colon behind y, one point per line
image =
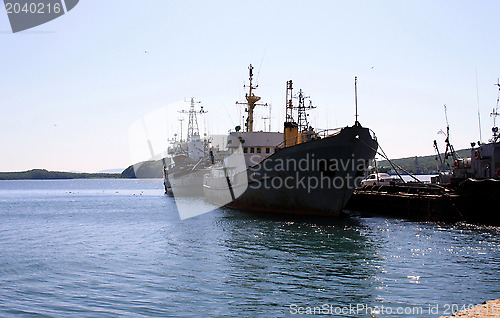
x: 104, y: 248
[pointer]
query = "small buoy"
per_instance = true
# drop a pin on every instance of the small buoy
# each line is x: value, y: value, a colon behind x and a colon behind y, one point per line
x: 476, y: 154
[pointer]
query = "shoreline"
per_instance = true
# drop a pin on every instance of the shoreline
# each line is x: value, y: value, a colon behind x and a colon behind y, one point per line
x: 42, y: 174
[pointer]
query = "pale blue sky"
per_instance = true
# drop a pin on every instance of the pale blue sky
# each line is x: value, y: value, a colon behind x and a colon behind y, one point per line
x: 71, y: 89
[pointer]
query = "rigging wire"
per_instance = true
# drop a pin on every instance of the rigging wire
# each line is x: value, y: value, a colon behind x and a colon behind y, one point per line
x: 260, y: 66
x: 393, y: 164
x: 478, y: 113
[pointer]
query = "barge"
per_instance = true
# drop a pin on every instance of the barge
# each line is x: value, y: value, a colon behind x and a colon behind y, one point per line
x: 470, y: 193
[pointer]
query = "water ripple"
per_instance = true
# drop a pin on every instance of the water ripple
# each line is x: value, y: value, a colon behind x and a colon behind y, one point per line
x: 92, y: 248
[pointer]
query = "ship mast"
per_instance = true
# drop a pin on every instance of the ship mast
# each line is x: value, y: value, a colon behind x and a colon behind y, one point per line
x: 356, y: 99
x: 251, y: 102
x: 494, y: 114
x: 450, y: 150
x: 289, y: 103
x: 180, y: 119
x: 302, y: 109
x: 193, y: 120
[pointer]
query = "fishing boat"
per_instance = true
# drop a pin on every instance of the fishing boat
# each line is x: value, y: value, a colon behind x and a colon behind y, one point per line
x: 190, y: 159
x: 301, y: 170
x: 468, y: 192
x: 476, y: 180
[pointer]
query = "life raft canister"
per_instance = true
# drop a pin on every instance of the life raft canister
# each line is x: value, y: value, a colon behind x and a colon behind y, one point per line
x: 476, y: 154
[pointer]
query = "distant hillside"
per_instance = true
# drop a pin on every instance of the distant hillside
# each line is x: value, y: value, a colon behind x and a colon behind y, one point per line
x: 111, y: 171
x: 421, y: 164
x: 146, y: 169
x: 414, y: 165
x: 154, y: 169
x: 37, y: 174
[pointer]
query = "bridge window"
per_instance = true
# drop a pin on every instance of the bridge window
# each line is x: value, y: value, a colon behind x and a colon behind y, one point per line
x: 245, y: 149
x: 258, y: 149
x: 268, y: 150
x: 252, y: 150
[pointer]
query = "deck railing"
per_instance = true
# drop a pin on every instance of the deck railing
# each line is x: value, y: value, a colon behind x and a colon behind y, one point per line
x: 312, y: 135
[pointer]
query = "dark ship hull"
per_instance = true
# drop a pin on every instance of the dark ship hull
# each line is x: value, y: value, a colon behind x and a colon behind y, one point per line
x: 471, y: 200
x: 477, y: 201
x: 428, y: 202
x: 335, y: 164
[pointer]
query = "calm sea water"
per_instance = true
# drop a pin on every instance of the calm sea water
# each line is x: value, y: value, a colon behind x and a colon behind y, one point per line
x: 107, y: 248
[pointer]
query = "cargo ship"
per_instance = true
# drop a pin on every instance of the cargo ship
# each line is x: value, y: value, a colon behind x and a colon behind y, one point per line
x: 301, y: 170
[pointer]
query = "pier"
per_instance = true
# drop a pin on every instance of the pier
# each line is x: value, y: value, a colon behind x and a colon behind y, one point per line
x: 470, y: 201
